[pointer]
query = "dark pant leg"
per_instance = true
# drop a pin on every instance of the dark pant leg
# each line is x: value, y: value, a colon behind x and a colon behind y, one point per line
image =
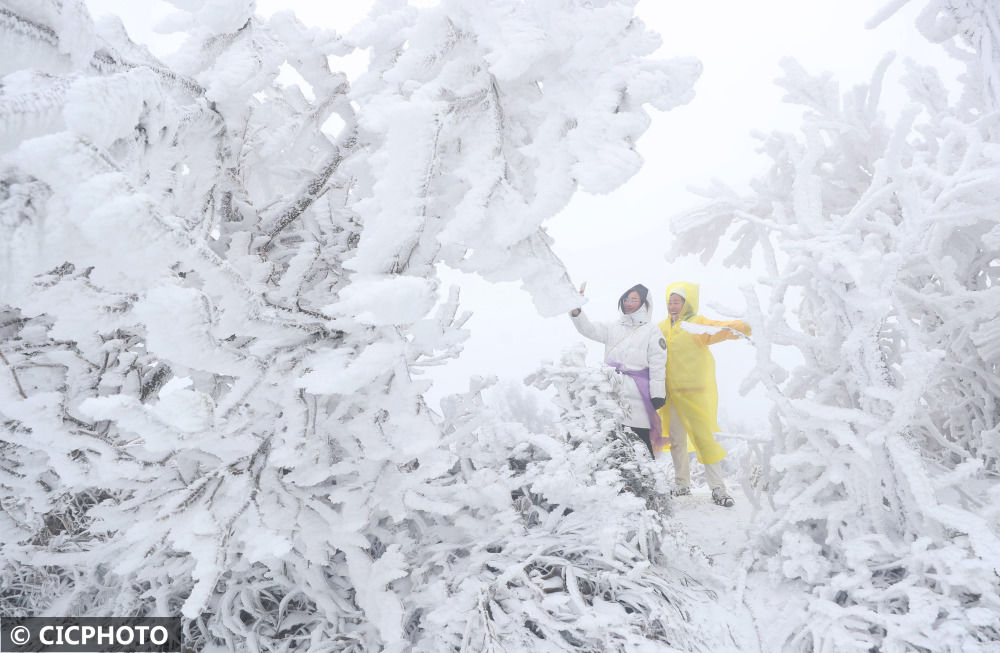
x: 644, y: 436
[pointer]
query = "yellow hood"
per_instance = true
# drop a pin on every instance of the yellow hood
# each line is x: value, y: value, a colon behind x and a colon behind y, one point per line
x: 690, y: 293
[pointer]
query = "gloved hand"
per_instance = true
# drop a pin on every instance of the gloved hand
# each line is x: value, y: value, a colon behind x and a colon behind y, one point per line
x: 658, y: 402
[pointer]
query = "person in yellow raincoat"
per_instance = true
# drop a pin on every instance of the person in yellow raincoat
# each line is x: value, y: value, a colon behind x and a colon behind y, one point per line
x: 692, y: 395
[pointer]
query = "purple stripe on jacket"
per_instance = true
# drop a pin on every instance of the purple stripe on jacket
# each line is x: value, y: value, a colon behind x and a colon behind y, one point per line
x: 641, y: 378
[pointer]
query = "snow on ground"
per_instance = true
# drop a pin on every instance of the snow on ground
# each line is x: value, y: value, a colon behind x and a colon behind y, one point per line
x: 721, y: 534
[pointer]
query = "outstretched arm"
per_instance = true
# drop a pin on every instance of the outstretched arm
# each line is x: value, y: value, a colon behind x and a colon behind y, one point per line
x: 726, y: 330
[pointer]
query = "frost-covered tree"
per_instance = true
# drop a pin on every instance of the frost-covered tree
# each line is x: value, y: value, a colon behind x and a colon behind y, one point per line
x: 881, y: 244
x: 217, y: 292
x: 589, y: 404
x: 570, y: 551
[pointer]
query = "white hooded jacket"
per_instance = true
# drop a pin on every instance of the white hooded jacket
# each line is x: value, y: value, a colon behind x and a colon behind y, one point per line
x: 637, y: 344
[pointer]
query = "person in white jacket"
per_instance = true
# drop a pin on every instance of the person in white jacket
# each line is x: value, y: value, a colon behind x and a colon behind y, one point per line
x: 635, y: 347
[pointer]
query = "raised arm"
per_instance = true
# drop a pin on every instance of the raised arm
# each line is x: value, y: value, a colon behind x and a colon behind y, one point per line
x: 595, y: 331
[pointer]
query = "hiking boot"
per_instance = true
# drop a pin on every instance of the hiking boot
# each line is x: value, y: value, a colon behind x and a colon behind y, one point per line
x: 722, y: 498
x: 680, y: 491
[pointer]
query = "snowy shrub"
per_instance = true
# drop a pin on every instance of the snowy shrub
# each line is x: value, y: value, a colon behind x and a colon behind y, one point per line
x: 212, y: 311
x: 590, y: 408
x: 882, y: 265
x: 558, y: 540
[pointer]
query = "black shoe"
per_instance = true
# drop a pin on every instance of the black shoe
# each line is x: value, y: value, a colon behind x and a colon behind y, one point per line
x: 721, y: 498
x: 680, y: 491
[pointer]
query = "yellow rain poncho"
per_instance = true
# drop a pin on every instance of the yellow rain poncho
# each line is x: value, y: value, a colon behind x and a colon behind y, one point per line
x: 691, y: 384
